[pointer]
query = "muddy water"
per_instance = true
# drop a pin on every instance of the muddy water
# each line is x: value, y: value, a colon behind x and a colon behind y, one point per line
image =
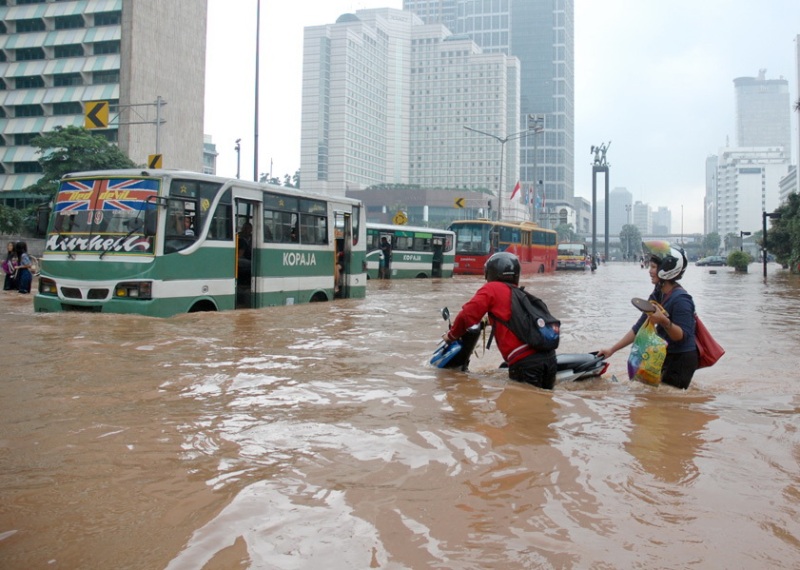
x: 317, y: 437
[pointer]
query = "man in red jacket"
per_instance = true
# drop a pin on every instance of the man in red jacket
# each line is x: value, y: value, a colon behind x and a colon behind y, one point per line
x: 524, y: 363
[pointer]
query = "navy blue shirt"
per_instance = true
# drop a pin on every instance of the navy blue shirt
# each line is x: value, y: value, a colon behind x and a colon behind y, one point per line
x: 680, y: 307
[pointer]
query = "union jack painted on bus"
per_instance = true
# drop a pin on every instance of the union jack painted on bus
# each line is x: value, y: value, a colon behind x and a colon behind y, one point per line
x: 126, y: 194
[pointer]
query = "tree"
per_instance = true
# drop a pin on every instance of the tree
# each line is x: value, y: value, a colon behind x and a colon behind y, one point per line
x: 711, y: 243
x: 566, y: 233
x: 11, y: 220
x: 73, y: 149
x: 783, y: 238
x: 630, y: 240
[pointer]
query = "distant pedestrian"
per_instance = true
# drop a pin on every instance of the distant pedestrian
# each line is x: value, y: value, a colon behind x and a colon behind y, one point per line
x: 386, y: 253
x: 24, y: 275
x: 10, y: 268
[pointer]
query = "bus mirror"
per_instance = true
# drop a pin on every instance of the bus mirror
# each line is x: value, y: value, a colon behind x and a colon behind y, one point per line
x: 150, y: 219
x: 42, y: 219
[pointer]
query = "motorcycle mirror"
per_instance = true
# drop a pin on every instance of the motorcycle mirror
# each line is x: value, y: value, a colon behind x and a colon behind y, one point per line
x: 445, y: 313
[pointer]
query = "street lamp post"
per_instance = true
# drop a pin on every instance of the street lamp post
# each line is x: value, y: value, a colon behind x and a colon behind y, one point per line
x: 502, y: 142
x: 238, y: 157
x: 741, y: 239
x: 535, y: 124
x: 764, y: 216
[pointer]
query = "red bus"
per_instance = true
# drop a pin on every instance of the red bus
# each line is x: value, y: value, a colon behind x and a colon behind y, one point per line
x: 476, y: 240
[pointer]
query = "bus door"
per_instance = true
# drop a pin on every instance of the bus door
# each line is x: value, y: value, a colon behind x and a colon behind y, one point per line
x: 343, y: 252
x: 438, y: 256
x: 248, y: 223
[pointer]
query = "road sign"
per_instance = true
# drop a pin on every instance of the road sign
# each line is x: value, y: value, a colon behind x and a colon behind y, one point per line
x: 400, y: 218
x: 155, y: 160
x: 460, y: 202
x: 95, y: 115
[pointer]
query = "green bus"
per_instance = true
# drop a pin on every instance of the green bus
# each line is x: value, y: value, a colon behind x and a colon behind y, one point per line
x: 164, y: 242
x: 416, y: 252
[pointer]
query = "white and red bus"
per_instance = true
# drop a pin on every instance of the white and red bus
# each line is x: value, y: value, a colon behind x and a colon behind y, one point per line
x: 477, y: 240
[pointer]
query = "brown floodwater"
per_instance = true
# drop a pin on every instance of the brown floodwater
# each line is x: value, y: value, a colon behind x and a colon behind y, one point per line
x: 317, y: 436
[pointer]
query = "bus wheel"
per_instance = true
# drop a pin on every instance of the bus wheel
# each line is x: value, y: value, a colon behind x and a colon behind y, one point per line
x: 203, y: 306
x: 422, y: 276
x: 318, y: 297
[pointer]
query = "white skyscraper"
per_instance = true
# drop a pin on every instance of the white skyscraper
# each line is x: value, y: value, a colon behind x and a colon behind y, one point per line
x: 763, y: 110
x: 386, y: 99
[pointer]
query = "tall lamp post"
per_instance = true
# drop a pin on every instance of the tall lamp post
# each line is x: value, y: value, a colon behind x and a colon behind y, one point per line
x: 535, y: 124
x: 764, y: 216
x: 502, y: 142
x: 741, y: 239
x: 238, y: 157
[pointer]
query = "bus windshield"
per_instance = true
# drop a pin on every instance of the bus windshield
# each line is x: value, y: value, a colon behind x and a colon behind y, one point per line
x: 103, y: 215
x: 472, y: 238
x: 571, y: 249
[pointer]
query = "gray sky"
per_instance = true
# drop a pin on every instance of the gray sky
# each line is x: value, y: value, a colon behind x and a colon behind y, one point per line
x: 654, y: 78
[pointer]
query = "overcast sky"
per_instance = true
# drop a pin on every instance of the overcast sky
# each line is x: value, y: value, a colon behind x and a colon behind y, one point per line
x: 653, y: 78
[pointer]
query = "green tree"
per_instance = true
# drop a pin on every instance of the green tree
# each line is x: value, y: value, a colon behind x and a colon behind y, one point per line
x: 783, y: 238
x: 566, y: 232
x: 630, y: 241
x: 711, y: 243
x: 73, y: 149
x: 11, y: 220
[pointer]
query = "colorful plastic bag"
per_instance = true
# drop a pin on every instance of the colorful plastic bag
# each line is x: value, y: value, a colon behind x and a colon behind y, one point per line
x: 647, y: 355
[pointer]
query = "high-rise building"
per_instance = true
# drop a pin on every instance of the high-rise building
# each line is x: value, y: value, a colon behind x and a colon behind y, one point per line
x: 386, y: 100
x: 662, y: 221
x: 540, y: 33
x: 710, y: 201
x: 747, y: 183
x: 763, y: 111
x: 56, y: 56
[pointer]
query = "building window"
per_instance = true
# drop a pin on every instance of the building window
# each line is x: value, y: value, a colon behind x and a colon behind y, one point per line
x: 24, y: 139
x: 71, y: 50
x: 28, y: 111
x: 69, y: 22
x: 29, y: 54
x: 101, y: 48
x: 23, y: 2
x: 67, y: 80
x: 101, y: 77
x: 29, y: 82
x: 32, y: 25
x: 69, y: 108
x: 108, y: 18
x: 27, y: 167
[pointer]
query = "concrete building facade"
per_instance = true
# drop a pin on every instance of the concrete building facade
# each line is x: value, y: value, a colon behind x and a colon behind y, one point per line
x: 763, y: 110
x: 540, y: 33
x: 386, y: 99
x: 55, y: 56
x: 747, y: 184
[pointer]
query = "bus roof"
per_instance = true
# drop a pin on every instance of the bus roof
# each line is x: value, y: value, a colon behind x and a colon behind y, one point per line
x: 524, y: 225
x: 391, y: 227
x: 222, y: 180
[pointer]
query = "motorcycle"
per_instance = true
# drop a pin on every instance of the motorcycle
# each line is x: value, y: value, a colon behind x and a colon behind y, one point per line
x: 571, y: 366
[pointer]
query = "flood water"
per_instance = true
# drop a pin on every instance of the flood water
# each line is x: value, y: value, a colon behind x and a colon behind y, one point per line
x: 317, y: 436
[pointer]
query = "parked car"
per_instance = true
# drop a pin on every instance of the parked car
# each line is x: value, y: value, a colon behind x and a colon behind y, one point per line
x: 718, y: 260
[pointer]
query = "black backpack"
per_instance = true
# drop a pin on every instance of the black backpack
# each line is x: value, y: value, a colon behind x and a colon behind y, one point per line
x: 531, y: 322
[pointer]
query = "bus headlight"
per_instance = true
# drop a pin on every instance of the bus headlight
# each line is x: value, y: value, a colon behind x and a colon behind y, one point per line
x: 134, y: 290
x: 47, y: 286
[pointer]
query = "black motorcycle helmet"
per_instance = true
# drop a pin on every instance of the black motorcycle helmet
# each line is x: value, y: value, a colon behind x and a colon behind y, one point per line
x: 502, y: 266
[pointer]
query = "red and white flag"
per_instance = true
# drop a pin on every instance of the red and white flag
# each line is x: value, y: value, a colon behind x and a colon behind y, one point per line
x: 516, y: 189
